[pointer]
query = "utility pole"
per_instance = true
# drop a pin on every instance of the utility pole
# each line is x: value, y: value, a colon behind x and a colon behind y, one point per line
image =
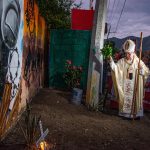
x: 95, y: 70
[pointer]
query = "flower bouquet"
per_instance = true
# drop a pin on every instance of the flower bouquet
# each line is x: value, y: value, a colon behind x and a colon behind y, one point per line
x: 72, y: 78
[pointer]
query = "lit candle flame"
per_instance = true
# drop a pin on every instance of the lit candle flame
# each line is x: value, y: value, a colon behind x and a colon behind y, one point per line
x: 43, y: 145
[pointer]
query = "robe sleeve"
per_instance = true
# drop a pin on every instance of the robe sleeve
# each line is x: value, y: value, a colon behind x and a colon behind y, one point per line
x: 146, y: 71
x: 117, y: 72
x: 112, y: 65
x: 117, y: 65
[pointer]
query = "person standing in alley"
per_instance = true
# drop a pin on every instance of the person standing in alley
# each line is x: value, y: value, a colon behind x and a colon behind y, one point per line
x: 124, y: 74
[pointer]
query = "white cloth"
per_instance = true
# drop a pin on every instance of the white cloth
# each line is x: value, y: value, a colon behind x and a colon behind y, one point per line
x: 129, y: 46
x: 122, y: 83
x: 113, y: 65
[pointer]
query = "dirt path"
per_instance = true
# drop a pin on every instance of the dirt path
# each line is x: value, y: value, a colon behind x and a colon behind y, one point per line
x: 75, y: 128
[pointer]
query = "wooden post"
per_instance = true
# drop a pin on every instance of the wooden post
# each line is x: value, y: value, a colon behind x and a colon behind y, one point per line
x: 95, y: 71
x: 133, y: 109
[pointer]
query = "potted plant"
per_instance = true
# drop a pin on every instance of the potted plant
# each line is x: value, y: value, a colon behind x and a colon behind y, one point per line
x: 72, y: 78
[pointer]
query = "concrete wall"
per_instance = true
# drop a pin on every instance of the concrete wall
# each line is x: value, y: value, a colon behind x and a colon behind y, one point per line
x: 33, y: 54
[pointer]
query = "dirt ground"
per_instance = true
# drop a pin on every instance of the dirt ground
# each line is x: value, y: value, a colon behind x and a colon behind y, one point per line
x: 73, y: 127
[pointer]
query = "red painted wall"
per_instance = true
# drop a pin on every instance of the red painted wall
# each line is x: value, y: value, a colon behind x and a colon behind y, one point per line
x: 82, y: 19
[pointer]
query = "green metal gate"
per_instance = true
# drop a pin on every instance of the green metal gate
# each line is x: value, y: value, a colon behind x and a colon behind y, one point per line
x: 65, y: 45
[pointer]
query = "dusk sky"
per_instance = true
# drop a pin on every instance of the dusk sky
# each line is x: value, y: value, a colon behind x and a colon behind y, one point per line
x: 135, y: 17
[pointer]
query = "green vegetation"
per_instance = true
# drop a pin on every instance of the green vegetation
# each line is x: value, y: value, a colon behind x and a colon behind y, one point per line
x: 57, y: 12
x: 109, y: 49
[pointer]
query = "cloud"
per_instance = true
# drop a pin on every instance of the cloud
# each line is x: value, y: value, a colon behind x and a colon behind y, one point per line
x: 135, y: 17
x: 85, y: 3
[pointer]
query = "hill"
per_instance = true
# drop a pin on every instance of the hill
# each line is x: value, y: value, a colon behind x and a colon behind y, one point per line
x: 119, y: 42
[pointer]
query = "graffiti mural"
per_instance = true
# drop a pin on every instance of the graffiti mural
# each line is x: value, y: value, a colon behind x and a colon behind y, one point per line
x: 31, y: 26
x: 11, y: 36
x: 22, y: 42
x: 33, y: 54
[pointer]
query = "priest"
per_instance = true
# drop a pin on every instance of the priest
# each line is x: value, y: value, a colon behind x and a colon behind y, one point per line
x: 124, y: 74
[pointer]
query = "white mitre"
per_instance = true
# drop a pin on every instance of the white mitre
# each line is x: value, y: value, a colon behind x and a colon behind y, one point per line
x: 129, y: 46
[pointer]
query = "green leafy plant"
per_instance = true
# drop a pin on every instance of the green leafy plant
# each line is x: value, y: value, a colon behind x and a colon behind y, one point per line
x: 109, y: 49
x: 29, y: 128
x: 72, y: 76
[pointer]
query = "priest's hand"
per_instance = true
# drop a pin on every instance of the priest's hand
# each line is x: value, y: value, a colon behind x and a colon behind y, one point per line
x: 141, y: 70
x: 110, y: 59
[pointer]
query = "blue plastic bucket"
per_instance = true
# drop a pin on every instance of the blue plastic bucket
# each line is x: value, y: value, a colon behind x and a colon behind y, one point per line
x: 77, y: 96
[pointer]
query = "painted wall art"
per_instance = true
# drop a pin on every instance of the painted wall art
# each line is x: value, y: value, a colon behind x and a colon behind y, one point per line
x: 33, y: 54
x: 11, y: 47
x: 22, y: 42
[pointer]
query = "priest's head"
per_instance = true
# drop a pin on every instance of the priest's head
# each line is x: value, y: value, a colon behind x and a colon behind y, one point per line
x: 129, y: 49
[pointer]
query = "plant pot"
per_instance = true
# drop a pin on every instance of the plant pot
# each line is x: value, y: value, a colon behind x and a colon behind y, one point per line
x: 77, y: 96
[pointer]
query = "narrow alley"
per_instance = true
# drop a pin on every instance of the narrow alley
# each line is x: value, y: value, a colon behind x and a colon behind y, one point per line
x: 73, y: 127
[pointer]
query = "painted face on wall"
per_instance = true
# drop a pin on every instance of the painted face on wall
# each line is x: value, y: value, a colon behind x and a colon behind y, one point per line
x: 10, y: 14
x: 10, y: 21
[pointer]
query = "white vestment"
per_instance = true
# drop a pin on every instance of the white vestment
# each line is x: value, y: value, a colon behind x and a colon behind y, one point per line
x: 125, y: 86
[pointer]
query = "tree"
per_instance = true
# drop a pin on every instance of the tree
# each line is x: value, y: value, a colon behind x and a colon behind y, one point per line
x: 57, y: 12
